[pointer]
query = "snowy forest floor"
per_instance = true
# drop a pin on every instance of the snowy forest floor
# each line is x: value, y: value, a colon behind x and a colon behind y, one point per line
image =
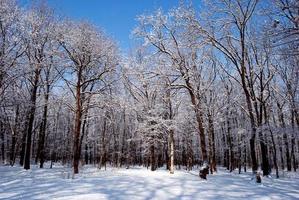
x: 139, y: 183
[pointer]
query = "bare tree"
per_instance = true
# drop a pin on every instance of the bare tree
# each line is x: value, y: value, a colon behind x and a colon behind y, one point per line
x: 92, y: 57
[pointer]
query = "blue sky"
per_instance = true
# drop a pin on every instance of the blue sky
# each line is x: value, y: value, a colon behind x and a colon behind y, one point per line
x: 116, y: 17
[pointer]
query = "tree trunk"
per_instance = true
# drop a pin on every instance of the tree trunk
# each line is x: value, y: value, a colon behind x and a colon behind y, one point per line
x: 285, y: 137
x: 293, y: 153
x: 23, y: 146
x: 281, y: 153
x: 86, y: 154
x: 200, y: 127
x: 42, y: 135
x: 2, y: 132
x: 199, y: 118
x: 225, y: 148
x: 103, y: 145
x: 85, y: 123
x: 274, y: 154
x: 12, y: 149
x: 152, y: 158
x: 253, y: 135
x: 123, y: 141
x: 212, y: 144
x: 31, y: 117
x: 171, y: 138
x: 77, y: 130
x: 245, y: 158
x: 287, y: 152
x: 265, y: 161
x: 231, y: 165
x: 243, y: 75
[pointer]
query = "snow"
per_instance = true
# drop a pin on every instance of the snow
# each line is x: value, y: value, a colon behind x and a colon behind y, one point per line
x: 139, y: 183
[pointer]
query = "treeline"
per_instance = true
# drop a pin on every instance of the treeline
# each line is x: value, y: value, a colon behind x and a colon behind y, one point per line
x: 216, y: 86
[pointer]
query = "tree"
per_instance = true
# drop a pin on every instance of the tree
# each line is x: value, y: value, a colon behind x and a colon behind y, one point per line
x: 93, y: 57
x: 234, y: 45
x: 39, y: 26
x: 169, y: 35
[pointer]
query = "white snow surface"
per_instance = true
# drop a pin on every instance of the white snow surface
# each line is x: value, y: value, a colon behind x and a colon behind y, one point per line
x: 139, y: 183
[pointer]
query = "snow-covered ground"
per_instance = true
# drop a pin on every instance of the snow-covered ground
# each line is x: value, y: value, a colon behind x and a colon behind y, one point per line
x: 138, y: 183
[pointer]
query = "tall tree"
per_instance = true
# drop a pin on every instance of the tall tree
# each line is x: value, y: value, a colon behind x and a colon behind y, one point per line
x: 93, y: 57
x: 39, y: 26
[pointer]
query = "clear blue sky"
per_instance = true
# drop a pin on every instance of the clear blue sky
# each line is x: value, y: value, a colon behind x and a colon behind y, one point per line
x: 116, y: 17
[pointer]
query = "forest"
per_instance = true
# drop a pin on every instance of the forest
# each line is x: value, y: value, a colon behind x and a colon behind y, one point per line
x: 204, y: 87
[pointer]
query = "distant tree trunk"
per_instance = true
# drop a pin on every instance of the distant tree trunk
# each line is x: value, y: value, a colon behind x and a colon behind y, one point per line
x: 273, y: 142
x: 103, y: 145
x: 170, y: 156
x: 225, y: 148
x: 274, y: 154
x: 2, y: 132
x: 287, y: 152
x: 41, y: 138
x: 293, y: 153
x: 31, y: 116
x: 285, y: 137
x: 245, y: 158
x: 171, y: 138
x: 281, y: 154
x: 293, y: 115
x: 152, y: 158
x: 167, y: 154
x: 115, y: 148
x: 212, y: 144
x: 53, y: 152
x: 123, y: 144
x: 230, y: 143
x: 13, y: 150
x: 23, y: 144
x: 86, y: 154
x: 84, y: 131
x: 240, y: 157
x: 13, y: 139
